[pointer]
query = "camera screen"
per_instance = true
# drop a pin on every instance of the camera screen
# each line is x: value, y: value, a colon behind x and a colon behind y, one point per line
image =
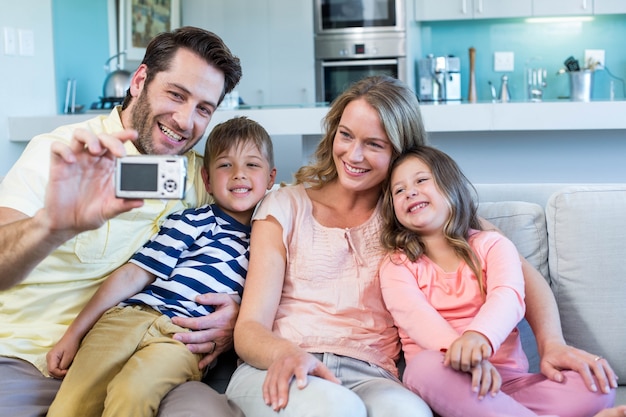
x: 139, y: 177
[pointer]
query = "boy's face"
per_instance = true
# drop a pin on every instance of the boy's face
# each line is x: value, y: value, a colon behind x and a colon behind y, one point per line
x: 238, y: 179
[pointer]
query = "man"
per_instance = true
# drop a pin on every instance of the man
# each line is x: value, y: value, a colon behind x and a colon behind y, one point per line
x: 62, y: 231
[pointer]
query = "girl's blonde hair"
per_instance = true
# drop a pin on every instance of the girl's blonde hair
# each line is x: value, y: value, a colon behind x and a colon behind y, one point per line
x: 461, y: 198
x: 399, y: 113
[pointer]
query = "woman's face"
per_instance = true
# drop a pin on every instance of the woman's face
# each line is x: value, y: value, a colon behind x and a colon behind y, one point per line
x: 361, y: 149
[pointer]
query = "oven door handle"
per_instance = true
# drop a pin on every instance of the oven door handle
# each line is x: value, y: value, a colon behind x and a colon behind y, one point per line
x: 359, y: 62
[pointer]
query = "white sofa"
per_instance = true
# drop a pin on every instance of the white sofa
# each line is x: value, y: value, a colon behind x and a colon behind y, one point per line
x: 574, y: 235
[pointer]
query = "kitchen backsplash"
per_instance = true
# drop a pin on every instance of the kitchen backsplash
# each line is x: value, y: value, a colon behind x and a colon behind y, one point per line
x: 545, y: 44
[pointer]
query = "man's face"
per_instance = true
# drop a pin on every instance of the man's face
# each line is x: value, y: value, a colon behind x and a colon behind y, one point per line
x: 172, y: 112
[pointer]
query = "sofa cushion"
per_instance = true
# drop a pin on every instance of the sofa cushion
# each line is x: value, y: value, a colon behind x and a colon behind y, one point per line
x: 525, y: 225
x: 586, y: 226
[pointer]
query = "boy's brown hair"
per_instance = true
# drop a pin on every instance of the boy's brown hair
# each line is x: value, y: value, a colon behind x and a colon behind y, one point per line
x: 236, y: 132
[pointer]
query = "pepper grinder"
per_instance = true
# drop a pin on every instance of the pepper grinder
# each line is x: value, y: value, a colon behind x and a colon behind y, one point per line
x: 505, y: 94
x: 471, y: 95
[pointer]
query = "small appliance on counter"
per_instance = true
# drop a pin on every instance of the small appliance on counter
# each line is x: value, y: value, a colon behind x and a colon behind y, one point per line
x: 439, y: 78
x: 115, y: 85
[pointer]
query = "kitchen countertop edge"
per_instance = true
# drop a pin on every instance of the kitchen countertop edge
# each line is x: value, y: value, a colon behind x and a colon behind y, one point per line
x: 459, y: 117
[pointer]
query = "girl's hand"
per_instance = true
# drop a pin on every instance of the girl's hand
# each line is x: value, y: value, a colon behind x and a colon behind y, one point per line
x: 485, y: 379
x: 468, y: 351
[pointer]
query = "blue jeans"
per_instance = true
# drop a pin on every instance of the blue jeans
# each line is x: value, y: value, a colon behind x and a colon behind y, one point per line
x: 366, y: 390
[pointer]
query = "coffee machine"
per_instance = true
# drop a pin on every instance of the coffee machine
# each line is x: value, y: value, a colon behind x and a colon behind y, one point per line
x: 439, y: 78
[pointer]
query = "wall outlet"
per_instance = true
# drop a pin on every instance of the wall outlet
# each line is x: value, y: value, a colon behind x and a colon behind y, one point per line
x: 26, y: 42
x: 503, y: 61
x: 594, y: 58
x: 10, y: 41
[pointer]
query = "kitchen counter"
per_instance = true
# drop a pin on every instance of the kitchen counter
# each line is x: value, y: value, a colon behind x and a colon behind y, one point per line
x: 459, y: 117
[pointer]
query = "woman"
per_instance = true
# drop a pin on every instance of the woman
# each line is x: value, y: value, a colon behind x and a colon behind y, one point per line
x: 312, y: 310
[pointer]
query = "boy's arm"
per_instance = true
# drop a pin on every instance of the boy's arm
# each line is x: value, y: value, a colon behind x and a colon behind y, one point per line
x: 123, y: 283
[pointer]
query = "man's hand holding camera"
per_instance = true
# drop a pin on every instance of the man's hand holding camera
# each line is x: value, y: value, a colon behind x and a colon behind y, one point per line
x: 80, y: 194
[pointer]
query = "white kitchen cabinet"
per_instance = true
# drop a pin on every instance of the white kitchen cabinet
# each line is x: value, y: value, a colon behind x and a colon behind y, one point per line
x: 562, y: 7
x: 273, y: 39
x: 471, y: 9
x: 609, y: 6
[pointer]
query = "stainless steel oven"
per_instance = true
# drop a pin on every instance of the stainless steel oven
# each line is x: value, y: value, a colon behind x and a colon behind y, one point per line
x: 341, y: 60
x: 350, y: 16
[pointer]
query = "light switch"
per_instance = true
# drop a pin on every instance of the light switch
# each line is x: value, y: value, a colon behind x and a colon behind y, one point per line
x: 10, y: 41
x: 27, y: 42
x: 503, y: 61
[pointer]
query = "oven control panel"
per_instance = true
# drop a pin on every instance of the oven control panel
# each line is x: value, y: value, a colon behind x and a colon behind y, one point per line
x: 360, y: 46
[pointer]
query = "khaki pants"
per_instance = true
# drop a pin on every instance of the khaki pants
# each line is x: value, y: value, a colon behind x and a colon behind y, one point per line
x: 125, y: 365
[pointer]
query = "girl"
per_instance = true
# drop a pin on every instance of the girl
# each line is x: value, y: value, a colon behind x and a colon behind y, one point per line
x: 452, y: 287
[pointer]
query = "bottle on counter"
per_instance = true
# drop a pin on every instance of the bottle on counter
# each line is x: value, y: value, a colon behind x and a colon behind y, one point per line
x: 471, y: 94
x: 505, y: 94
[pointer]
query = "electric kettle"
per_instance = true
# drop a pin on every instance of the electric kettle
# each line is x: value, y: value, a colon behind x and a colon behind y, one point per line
x: 116, y: 82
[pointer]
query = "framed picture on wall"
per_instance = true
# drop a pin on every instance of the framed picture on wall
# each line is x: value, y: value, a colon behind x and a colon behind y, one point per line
x: 142, y: 20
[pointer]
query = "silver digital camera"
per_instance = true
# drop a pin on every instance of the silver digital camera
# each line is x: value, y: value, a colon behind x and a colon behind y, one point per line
x: 151, y: 176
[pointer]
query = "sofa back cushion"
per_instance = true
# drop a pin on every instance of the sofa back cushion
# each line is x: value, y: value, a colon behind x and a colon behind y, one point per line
x: 525, y: 225
x: 587, y: 255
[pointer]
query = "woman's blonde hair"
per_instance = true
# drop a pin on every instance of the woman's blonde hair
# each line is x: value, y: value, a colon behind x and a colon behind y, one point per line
x: 461, y: 198
x: 399, y: 113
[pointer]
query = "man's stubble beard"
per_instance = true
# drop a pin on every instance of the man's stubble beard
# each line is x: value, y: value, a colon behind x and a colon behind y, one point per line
x: 142, y: 121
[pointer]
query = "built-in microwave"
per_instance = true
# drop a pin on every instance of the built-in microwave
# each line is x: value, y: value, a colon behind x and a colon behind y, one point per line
x: 349, y: 16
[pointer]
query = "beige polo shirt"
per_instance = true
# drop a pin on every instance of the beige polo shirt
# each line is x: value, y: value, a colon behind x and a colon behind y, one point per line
x: 35, y: 313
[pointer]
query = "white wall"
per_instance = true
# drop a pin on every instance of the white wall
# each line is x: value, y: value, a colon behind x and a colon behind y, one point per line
x: 27, y: 83
x: 575, y: 156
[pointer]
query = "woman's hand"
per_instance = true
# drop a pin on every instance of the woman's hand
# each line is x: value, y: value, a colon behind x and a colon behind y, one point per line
x: 595, y: 370
x: 296, y: 364
x: 212, y: 334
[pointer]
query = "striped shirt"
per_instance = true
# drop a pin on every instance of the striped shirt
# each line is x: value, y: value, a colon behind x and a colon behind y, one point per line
x: 196, y: 251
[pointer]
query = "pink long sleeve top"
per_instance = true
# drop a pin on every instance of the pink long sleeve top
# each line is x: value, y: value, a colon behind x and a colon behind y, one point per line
x: 432, y: 307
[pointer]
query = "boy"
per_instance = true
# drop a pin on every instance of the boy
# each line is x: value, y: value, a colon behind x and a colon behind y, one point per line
x: 129, y: 360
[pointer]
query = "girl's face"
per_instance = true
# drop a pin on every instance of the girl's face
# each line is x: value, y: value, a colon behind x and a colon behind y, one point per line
x: 418, y: 203
x: 361, y: 150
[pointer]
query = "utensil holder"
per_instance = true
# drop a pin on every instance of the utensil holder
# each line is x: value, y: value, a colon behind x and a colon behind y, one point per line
x: 581, y: 85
